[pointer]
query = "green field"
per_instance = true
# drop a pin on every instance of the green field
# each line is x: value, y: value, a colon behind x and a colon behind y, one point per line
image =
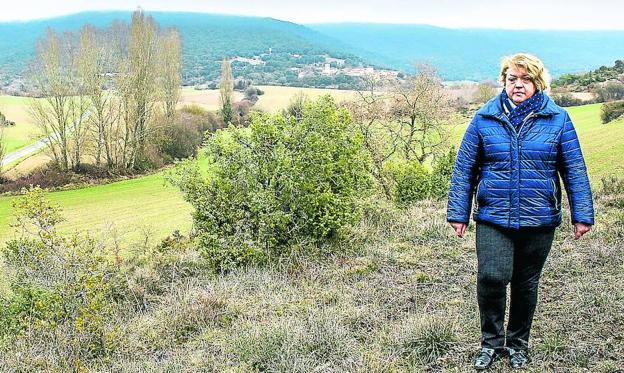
x: 133, y: 208
x: 602, y: 144
x: 24, y: 132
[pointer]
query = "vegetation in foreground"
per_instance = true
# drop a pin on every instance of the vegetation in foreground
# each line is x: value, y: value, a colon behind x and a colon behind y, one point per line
x: 396, y: 295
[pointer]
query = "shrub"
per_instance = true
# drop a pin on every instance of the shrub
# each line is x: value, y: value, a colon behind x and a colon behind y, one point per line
x: 61, y: 290
x: 610, y: 91
x: 412, y: 182
x: 182, y: 138
x: 566, y: 99
x: 277, y: 183
x: 441, y: 175
x: 611, y: 111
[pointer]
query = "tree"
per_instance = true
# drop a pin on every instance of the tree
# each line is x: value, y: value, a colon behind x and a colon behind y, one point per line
x: 226, y: 88
x: 404, y: 125
x: 485, y: 91
x: 170, y: 54
x: 371, y: 116
x: 137, y: 87
x: 59, y: 115
x: 95, y: 61
x: 421, y: 110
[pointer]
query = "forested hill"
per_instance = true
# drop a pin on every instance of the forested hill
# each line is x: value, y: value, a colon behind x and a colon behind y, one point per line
x: 207, y: 38
x: 271, y: 51
x: 474, y: 54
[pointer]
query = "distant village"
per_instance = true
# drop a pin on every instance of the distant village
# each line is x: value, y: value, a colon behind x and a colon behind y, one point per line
x: 329, y: 67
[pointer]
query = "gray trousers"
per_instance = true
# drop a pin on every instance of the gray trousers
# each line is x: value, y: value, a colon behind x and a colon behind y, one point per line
x: 509, y: 256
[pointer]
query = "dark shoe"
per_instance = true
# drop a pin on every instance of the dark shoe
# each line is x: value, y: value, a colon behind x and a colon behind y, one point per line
x: 518, y: 359
x: 485, y: 358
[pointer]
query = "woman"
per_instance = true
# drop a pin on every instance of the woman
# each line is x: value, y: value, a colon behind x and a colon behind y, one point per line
x: 511, y: 157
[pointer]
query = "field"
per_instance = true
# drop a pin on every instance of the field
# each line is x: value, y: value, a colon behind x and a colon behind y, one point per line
x: 208, y: 99
x: 276, y: 98
x: 24, y: 132
x: 133, y: 209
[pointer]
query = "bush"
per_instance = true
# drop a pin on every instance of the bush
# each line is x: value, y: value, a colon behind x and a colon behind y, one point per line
x: 62, y: 292
x: 610, y: 91
x: 182, y: 138
x: 441, y: 175
x: 278, y: 183
x: 566, y: 99
x: 412, y: 182
x: 611, y: 111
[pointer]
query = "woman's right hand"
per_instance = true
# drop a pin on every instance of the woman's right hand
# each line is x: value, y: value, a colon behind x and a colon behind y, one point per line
x: 460, y: 228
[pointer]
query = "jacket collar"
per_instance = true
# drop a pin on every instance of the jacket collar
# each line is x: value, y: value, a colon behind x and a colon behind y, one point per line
x: 494, y: 108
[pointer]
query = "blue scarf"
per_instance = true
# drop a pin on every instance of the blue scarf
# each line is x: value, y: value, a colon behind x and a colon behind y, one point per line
x: 517, y: 114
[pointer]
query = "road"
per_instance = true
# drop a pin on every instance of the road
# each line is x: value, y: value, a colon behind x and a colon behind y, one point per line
x: 35, y: 147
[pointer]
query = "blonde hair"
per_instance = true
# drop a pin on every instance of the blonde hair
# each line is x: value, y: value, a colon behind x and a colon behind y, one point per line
x: 533, y: 66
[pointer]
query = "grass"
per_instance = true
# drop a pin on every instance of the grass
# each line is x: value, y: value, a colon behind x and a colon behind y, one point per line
x: 276, y: 98
x: 24, y: 132
x: 602, y: 144
x: 134, y: 208
x: 314, y: 312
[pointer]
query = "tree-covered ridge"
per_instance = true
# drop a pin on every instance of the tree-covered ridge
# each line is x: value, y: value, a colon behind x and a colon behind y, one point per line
x: 282, y: 47
x: 599, y: 75
x: 296, y: 55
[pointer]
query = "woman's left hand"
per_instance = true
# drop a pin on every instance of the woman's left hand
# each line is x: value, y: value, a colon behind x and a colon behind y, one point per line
x: 580, y: 229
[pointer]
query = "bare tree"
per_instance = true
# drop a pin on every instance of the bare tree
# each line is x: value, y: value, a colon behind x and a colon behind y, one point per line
x: 171, y: 72
x: 137, y: 87
x: 421, y: 109
x: 402, y: 120
x: 370, y: 112
x: 226, y: 88
x: 60, y: 113
x: 94, y: 64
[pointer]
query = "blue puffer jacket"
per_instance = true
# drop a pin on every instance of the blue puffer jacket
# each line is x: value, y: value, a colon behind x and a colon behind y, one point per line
x: 514, y: 173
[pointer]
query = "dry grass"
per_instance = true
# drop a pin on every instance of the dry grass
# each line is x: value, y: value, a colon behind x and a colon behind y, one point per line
x: 398, y: 296
x: 207, y: 99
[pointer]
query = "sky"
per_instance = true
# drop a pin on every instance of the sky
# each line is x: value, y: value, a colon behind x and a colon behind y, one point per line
x: 524, y: 14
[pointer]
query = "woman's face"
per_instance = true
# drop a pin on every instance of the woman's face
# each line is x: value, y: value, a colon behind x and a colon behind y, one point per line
x: 518, y: 84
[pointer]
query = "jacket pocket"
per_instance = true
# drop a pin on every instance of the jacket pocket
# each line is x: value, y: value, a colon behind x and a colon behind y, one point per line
x: 478, y: 189
x: 554, y: 194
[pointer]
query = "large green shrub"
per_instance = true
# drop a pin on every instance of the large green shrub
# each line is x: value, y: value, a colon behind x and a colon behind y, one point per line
x: 280, y: 182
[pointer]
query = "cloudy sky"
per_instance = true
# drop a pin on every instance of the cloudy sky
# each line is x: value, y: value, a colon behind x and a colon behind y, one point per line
x: 525, y: 14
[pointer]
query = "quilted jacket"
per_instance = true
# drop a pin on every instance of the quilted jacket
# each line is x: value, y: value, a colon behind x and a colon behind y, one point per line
x: 514, y: 175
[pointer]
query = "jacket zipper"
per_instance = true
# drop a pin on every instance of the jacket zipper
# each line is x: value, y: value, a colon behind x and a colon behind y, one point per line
x: 517, y: 134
